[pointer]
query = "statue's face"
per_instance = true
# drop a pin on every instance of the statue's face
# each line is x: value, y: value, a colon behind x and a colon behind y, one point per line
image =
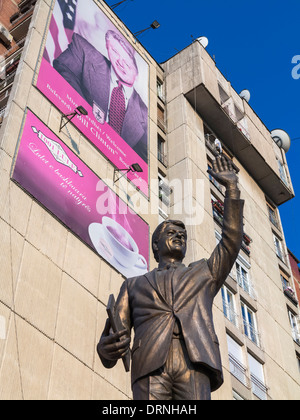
x: 172, y: 242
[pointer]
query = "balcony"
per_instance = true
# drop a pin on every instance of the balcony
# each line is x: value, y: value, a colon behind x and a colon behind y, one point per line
x: 235, y: 136
x: 290, y: 294
x: 296, y: 336
x: 4, y: 97
x: 246, y: 241
x: 238, y: 370
x: 161, y: 124
x: 258, y: 388
x: 21, y: 20
x: 218, y: 211
x: 162, y: 157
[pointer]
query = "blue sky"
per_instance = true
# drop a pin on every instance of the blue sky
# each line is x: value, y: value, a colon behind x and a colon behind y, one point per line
x: 254, y: 43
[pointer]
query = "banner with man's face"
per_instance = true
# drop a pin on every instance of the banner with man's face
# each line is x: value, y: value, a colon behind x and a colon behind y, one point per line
x: 48, y: 170
x: 87, y: 62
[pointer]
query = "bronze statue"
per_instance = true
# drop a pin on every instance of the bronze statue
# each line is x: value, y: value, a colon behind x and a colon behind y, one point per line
x: 175, y: 353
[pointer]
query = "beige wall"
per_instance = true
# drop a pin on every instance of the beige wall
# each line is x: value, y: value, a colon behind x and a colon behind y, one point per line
x: 53, y: 288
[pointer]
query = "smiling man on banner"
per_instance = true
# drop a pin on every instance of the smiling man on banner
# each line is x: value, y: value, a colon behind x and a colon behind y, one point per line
x: 108, y: 86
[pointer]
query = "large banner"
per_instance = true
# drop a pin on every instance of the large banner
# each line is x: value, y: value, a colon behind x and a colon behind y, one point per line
x: 58, y: 179
x: 87, y: 62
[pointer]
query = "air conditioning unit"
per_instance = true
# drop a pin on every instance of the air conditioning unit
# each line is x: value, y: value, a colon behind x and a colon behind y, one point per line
x: 5, y: 36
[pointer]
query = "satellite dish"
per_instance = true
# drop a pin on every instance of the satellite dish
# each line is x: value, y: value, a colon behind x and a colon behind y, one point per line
x: 245, y: 94
x: 282, y: 139
x: 203, y: 41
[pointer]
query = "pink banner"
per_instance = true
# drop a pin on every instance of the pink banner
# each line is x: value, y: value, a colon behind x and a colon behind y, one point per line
x: 88, y: 62
x: 66, y: 99
x: 58, y: 179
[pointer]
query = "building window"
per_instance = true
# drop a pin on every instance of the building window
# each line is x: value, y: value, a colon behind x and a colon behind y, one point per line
x: 164, y: 191
x: 218, y: 209
x: 212, y: 142
x: 161, y: 154
x: 257, y: 378
x: 229, y: 308
x: 243, y: 278
x: 246, y: 243
x: 288, y: 289
x: 236, y: 396
x: 162, y: 215
x: 273, y: 216
x: 160, y: 90
x: 282, y: 173
x: 223, y: 95
x: 278, y: 247
x: 249, y: 322
x: 161, y: 118
x: 285, y: 282
x: 236, y: 361
x: 295, y: 327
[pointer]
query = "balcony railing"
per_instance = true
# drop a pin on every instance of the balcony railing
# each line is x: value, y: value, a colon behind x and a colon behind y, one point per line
x: 246, y: 241
x: 296, y: 336
x: 218, y: 211
x: 238, y: 370
x: 290, y: 293
x: 161, y: 124
x: 8, y: 80
x: 245, y: 283
x: 5, y: 94
x: 230, y: 313
x: 251, y: 332
x: 258, y: 387
x: 162, y: 157
x: 273, y: 220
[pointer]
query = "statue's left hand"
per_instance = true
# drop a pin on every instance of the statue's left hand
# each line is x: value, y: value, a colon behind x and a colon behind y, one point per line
x: 112, y: 346
x: 223, y: 172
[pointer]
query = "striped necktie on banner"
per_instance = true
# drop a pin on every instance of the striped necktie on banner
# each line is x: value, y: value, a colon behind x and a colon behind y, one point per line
x: 117, y: 108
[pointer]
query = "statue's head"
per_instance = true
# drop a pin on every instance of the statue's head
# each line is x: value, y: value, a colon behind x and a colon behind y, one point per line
x: 169, y: 239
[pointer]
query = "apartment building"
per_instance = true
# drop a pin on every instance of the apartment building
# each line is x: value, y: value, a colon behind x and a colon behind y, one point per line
x: 15, y: 20
x: 253, y: 311
x: 64, y: 171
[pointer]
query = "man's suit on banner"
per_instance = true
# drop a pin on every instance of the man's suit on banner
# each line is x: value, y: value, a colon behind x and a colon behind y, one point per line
x: 89, y: 73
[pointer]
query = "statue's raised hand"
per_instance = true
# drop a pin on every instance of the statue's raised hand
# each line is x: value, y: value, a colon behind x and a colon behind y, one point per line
x: 223, y: 172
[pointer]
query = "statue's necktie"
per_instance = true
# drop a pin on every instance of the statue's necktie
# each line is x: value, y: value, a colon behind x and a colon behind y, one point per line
x: 117, y: 108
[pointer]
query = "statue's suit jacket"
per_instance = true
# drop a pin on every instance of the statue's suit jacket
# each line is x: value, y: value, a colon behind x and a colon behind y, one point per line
x: 88, y: 72
x: 143, y: 307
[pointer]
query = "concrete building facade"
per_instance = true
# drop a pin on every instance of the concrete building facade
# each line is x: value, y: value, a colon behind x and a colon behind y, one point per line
x: 54, y: 286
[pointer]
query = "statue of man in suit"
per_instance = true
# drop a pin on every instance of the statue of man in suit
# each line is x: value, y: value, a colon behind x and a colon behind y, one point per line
x: 175, y: 353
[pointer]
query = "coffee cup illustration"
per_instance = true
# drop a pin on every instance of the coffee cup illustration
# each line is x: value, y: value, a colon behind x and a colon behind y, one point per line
x: 124, y: 247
